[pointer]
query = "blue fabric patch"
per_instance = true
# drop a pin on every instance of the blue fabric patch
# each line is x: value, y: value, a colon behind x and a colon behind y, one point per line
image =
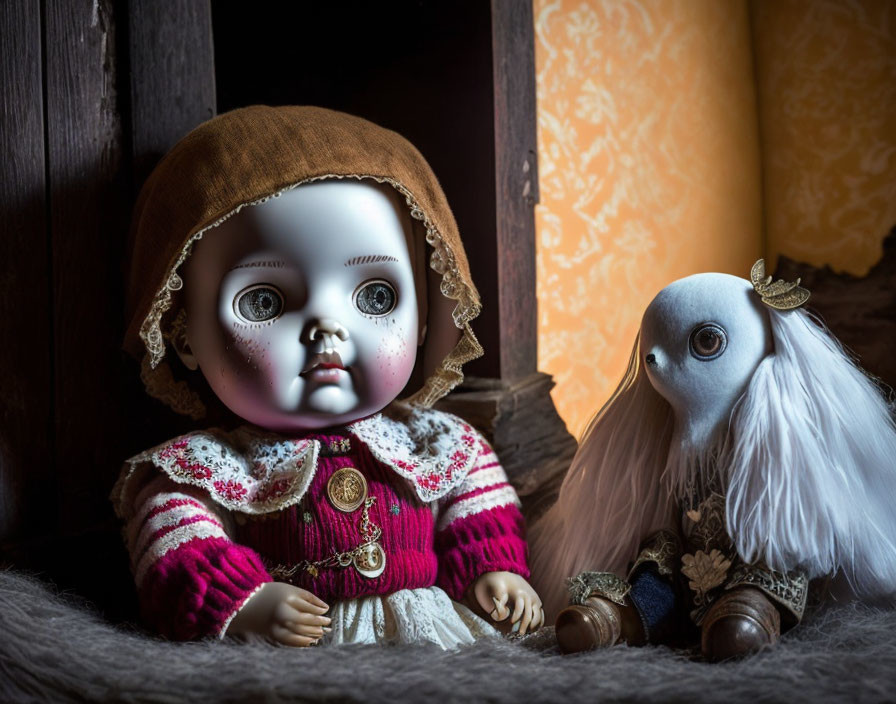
x: 656, y: 601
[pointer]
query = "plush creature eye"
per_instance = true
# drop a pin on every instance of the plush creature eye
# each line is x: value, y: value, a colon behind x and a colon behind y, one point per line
x: 708, y: 341
x: 375, y: 298
x: 258, y: 303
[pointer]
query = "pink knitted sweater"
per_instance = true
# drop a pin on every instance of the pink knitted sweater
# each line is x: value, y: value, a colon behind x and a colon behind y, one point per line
x: 197, y: 560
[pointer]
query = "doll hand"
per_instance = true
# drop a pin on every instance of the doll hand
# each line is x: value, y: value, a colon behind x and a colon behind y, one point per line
x: 493, y: 590
x: 284, y: 613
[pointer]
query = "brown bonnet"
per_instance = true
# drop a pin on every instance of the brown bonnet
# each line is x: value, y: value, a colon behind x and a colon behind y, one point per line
x: 242, y: 158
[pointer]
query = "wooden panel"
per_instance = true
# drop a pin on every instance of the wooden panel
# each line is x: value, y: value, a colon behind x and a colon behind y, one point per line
x: 172, y: 75
x: 520, y: 421
x: 516, y: 182
x: 172, y: 90
x: 88, y: 206
x: 25, y: 373
x: 860, y: 311
x: 423, y: 69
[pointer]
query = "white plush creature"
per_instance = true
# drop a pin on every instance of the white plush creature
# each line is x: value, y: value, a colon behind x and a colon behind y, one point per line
x: 723, y: 386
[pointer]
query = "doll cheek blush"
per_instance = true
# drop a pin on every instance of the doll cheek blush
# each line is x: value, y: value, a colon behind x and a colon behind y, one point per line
x: 241, y: 351
x: 246, y: 345
x: 395, y: 360
x: 245, y: 353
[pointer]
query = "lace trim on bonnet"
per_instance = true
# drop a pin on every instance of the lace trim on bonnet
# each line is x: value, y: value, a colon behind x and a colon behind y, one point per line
x: 257, y: 472
x: 160, y: 384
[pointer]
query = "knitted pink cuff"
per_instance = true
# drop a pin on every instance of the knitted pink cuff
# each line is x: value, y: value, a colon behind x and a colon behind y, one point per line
x: 194, y: 590
x: 488, y: 541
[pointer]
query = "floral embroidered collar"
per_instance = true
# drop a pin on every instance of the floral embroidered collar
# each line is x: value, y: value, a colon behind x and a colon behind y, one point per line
x: 258, y: 472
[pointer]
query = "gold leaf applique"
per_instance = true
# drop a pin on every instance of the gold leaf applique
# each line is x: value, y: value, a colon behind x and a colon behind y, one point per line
x: 705, y: 571
x: 605, y: 584
x: 781, y: 295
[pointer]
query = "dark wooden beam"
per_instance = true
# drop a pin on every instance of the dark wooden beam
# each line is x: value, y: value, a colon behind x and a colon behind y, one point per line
x: 515, y: 410
x: 26, y: 472
x: 859, y: 310
x: 172, y: 75
x: 171, y: 86
x: 521, y: 423
x: 516, y: 183
x: 88, y: 211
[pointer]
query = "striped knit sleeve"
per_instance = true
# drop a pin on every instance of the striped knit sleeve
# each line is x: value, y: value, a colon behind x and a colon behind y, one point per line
x: 480, y: 528
x: 191, y: 578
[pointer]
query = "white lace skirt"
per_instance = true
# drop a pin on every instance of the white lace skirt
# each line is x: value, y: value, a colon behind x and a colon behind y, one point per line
x: 406, y: 616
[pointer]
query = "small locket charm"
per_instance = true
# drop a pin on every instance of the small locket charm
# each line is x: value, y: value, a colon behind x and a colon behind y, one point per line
x: 370, y: 561
x: 347, y: 489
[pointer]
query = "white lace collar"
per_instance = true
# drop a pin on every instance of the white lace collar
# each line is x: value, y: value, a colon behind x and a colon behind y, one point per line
x: 255, y: 472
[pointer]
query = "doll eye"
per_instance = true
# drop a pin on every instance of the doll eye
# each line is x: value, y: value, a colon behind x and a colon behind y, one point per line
x: 258, y: 303
x: 708, y: 341
x: 375, y: 297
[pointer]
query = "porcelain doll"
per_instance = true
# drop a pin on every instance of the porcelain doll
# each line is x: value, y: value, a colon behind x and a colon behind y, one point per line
x: 281, y: 254
x: 743, y: 454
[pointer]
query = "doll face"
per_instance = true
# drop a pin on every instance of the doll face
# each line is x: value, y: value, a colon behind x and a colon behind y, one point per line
x: 301, y: 311
x: 701, y: 340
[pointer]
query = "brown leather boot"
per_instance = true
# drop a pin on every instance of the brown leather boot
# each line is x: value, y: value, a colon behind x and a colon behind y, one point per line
x: 741, y: 622
x: 598, y: 623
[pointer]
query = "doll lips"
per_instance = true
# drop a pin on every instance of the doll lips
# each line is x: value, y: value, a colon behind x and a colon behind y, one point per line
x: 325, y: 366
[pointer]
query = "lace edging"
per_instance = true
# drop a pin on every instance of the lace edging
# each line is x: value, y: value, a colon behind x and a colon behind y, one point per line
x: 257, y: 473
x: 243, y: 471
x: 663, y: 548
x: 789, y: 589
x: 177, y: 395
x: 604, y: 584
x: 433, y: 450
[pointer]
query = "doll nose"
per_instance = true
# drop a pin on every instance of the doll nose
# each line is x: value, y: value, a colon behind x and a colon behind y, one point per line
x: 321, y: 329
x: 650, y: 359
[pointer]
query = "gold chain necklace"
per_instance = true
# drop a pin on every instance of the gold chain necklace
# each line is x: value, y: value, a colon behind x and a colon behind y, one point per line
x: 368, y: 557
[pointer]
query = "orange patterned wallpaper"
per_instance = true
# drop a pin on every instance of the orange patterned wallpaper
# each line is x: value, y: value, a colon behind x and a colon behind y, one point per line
x: 649, y: 171
x: 678, y: 136
x: 826, y: 74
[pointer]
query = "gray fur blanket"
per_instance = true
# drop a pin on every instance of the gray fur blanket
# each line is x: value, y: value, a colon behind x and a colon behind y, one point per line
x: 54, y: 648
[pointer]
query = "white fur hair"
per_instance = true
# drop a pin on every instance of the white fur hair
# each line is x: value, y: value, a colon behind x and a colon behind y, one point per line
x: 809, y: 459
x: 598, y: 520
x: 812, y: 462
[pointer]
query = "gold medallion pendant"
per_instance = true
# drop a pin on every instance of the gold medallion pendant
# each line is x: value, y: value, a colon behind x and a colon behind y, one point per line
x: 370, y: 561
x: 347, y: 489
